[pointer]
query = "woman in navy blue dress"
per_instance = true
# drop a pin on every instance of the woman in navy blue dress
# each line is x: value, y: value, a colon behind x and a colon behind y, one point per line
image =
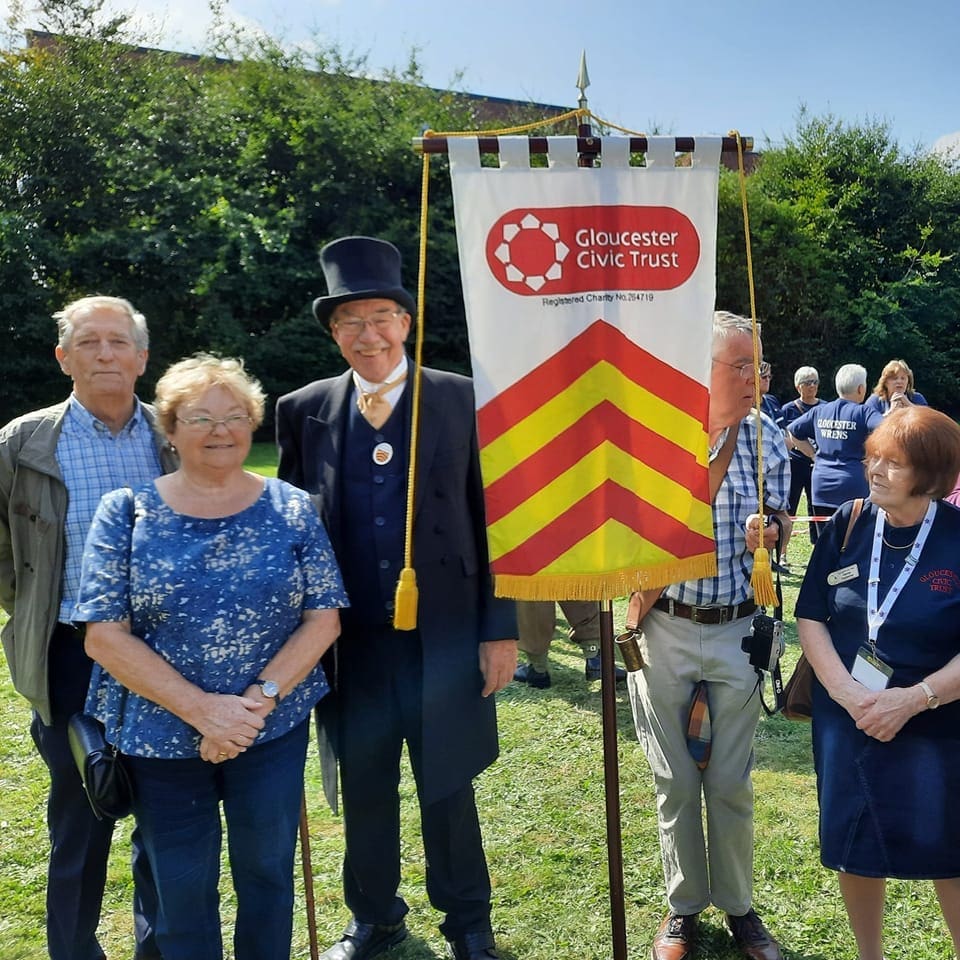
x: 880, y: 625
x: 209, y: 597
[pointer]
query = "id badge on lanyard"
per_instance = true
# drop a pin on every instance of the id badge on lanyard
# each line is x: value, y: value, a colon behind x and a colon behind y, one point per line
x: 868, y: 668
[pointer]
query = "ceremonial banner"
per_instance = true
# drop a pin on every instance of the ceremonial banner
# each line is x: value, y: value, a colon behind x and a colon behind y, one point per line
x: 589, y: 299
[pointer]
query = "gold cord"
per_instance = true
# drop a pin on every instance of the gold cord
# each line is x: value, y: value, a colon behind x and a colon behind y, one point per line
x: 762, y: 577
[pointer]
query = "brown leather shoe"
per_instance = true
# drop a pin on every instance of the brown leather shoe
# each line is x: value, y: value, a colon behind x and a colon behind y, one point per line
x: 676, y: 937
x: 753, y: 938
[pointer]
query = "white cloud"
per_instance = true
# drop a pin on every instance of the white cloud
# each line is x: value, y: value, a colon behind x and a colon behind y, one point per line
x: 948, y: 145
x: 180, y: 25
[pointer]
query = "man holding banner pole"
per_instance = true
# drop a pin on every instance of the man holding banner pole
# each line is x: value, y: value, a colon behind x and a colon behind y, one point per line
x: 696, y: 702
x: 347, y: 440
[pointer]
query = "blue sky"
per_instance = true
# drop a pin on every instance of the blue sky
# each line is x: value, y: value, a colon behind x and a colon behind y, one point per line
x: 686, y: 68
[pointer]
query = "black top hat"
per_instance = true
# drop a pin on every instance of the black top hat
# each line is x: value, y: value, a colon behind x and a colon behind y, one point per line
x: 360, y: 268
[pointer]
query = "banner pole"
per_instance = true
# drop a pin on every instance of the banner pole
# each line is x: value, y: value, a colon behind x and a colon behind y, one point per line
x: 608, y: 677
x: 611, y: 780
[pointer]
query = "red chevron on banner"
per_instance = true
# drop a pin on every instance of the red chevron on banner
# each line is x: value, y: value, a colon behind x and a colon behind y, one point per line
x: 598, y: 343
x: 604, y: 423
x: 609, y: 501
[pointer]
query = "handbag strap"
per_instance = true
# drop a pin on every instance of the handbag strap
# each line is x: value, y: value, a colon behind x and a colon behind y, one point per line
x: 854, y: 516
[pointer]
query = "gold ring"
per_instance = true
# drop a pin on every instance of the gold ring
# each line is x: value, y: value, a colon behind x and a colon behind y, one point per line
x: 221, y: 756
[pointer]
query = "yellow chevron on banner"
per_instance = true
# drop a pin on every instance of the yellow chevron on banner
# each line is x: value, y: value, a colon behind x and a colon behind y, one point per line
x: 602, y: 463
x: 593, y: 552
x: 602, y: 382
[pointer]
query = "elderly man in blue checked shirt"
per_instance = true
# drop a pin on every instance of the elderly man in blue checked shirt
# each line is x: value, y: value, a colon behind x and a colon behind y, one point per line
x: 692, y: 645
x: 55, y: 464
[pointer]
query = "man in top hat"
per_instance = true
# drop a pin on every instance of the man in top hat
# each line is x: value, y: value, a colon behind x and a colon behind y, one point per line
x: 347, y: 440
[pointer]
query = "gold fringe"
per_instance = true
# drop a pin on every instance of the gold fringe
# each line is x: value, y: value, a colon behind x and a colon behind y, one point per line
x: 405, y: 600
x: 603, y: 586
x: 762, y: 579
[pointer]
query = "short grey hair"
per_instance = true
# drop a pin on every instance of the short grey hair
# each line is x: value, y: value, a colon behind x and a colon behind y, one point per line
x: 727, y: 325
x: 67, y: 317
x: 849, y: 378
x: 805, y: 373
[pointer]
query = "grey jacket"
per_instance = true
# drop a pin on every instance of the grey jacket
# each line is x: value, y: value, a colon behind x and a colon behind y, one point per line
x: 33, y: 508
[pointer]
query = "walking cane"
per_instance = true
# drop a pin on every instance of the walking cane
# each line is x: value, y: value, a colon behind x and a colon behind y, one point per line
x: 308, y: 877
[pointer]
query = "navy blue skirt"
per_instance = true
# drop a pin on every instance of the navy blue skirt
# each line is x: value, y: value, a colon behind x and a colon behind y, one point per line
x: 887, y: 809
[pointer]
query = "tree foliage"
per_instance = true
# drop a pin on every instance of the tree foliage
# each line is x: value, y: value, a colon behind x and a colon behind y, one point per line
x: 201, y: 189
x: 855, y: 249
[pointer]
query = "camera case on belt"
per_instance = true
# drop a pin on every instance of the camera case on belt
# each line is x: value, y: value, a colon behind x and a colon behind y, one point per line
x: 765, y: 645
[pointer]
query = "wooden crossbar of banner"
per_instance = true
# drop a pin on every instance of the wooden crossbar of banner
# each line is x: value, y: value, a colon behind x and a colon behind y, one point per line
x: 586, y: 146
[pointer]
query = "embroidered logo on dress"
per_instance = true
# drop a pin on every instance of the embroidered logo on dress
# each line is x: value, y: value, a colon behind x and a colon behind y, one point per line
x: 941, y: 581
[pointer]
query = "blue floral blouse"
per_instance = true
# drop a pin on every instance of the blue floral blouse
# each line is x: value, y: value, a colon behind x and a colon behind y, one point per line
x: 216, y: 598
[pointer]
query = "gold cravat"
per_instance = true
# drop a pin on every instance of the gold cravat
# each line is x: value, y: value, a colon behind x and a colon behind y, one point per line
x: 373, y: 408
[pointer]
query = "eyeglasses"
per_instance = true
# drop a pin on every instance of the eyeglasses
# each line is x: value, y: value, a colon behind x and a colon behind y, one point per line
x: 380, y: 320
x: 809, y: 383
x: 765, y: 370
x: 234, y: 422
x: 745, y: 370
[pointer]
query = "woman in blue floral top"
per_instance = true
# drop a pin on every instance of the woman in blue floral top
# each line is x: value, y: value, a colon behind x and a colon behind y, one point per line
x: 209, y: 597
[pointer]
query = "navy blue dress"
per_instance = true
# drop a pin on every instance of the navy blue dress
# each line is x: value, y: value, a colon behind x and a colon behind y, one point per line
x: 888, y: 809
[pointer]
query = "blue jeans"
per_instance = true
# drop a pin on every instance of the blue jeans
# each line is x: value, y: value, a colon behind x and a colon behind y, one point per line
x: 177, y: 807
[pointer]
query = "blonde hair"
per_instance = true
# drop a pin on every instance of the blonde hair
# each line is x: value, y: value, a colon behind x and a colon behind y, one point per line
x: 187, y: 380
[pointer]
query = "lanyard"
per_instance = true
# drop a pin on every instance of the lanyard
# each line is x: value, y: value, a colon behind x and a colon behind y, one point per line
x: 878, y: 613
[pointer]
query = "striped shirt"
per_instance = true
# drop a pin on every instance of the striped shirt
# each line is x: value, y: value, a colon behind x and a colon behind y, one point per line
x: 736, y: 500
x: 93, y: 462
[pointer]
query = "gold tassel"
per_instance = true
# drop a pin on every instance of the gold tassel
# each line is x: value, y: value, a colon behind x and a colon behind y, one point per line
x: 762, y: 579
x: 405, y: 601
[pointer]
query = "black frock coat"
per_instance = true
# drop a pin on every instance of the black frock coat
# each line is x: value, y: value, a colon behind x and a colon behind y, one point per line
x: 457, y: 610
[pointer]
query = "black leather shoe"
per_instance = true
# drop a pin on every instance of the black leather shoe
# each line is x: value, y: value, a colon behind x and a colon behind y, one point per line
x: 360, y: 941
x: 473, y: 946
x: 753, y: 938
x: 534, y: 678
x: 591, y: 670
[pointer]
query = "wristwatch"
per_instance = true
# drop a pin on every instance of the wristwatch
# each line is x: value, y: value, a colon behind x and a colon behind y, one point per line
x: 933, y: 701
x: 269, y: 688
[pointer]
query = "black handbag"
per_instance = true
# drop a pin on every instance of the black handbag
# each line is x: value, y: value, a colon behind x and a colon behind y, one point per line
x: 105, y: 778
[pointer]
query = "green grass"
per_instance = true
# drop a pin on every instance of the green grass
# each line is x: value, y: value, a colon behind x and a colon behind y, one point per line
x: 263, y: 459
x: 542, y: 810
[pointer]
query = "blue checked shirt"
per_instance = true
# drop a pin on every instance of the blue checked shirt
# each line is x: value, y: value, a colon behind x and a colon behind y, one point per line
x: 93, y: 462
x: 736, y: 500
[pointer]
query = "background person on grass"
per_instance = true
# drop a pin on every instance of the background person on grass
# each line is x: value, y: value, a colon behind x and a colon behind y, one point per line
x: 836, y: 432
x: 536, y: 622
x: 209, y: 597
x: 894, y: 389
x: 880, y: 626
x: 807, y: 382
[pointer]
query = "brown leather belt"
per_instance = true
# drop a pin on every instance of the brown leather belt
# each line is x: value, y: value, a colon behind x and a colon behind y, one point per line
x: 706, y: 614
